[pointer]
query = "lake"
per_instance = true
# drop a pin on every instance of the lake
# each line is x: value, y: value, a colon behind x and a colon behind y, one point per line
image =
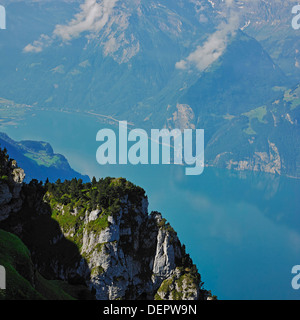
x: 241, y: 229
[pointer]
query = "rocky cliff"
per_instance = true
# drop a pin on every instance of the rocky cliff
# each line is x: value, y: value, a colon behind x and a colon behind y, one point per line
x: 99, y: 235
x: 11, y: 181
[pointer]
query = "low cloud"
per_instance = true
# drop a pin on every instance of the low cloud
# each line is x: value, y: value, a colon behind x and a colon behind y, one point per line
x: 215, y: 45
x: 33, y: 48
x: 93, y: 16
x: 38, y: 45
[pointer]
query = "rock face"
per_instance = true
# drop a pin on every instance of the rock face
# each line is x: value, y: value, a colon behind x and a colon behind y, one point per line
x: 269, y: 162
x: 183, y: 117
x: 99, y: 234
x: 10, y: 189
x: 137, y: 256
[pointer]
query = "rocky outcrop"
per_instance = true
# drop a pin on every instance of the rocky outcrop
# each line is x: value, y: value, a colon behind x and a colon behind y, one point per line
x: 10, y: 189
x: 183, y: 117
x: 133, y: 256
x: 112, y: 245
x: 178, y: 286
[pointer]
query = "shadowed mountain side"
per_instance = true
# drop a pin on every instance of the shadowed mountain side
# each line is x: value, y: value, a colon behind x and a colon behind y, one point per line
x: 24, y: 280
x: 53, y: 256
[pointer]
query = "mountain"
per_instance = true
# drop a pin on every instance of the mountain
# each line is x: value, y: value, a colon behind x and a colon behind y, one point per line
x: 269, y: 22
x: 76, y: 240
x: 250, y: 120
x: 221, y: 66
x: 130, y: 59
x: 128, y: 68
x: 39, y: 161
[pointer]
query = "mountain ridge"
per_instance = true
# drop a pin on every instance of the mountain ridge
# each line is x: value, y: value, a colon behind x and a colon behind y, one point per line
x: 39, y: 160
x: 97, y: 237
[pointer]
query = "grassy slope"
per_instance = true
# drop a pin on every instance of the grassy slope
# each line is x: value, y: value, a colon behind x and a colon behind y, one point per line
x: 22, y: 281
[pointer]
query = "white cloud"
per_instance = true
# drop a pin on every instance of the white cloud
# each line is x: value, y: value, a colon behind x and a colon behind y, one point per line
x: 92, y: 18
x: 38, y: 45
x: 32, y: 48
x: 111, y: 46
x: 215, y: 45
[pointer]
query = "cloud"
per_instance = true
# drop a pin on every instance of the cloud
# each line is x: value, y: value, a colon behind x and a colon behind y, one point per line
x: 93, y: 16
x: 38, y: 45
x: 215, y: 45
x: 32, y: 48
x: 111, y: 46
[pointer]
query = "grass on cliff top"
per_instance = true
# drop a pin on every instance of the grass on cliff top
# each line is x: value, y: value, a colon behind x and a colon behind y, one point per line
x: 102, y: 193
x: 105, y: 194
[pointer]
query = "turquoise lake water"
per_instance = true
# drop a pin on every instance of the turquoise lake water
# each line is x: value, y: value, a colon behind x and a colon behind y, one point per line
x: 241, y: 229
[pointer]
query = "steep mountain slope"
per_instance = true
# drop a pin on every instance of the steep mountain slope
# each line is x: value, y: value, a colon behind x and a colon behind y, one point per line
x: 128, y: 67
x: 242, y: 78
x: 98, y: 235
x: 270, y: 22
x: 247, y: 109
x: 129, y: 59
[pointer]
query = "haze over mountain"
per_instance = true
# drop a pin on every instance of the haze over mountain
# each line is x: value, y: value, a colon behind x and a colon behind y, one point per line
x: 230, y: 67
